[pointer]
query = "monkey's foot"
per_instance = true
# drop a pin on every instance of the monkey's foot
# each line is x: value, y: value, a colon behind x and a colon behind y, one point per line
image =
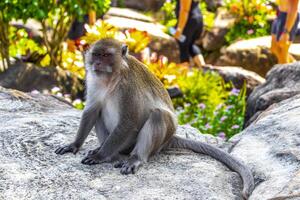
x: 65, y: 149
x: 92, y: 159
x: 92, y: 152
x: 119, y: 164
x: 131, y: 166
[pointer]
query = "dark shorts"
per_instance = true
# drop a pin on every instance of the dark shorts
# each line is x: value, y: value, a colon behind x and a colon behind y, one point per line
x: 192, y: 31
x: 279, y: 23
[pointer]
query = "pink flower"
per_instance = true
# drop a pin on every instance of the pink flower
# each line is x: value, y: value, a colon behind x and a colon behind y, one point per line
x: 235, y: 126
x: 223, y: 118
x: 222, y: 135
x: 202, y: 106
x: 250, y: 31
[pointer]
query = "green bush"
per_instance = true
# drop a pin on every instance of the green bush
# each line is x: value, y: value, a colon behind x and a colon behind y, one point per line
x: 23, y: 47
x: 210, y: 105
x: 55, y: 17
x: 251, y: 18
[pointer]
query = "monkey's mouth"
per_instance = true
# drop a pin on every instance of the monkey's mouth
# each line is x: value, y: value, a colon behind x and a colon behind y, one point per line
x: 106, y: 69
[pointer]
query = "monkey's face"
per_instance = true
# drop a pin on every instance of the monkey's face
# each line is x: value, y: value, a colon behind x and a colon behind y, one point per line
x: 105, y: 56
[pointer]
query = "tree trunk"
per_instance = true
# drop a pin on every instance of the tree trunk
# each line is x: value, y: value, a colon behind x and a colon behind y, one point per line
x: 4, y: 43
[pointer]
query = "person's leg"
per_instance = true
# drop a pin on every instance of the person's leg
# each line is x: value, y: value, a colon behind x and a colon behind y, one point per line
x: 274, y: 46
x: 194, y: 50
x: 184, y: 53
x: 284, y: 53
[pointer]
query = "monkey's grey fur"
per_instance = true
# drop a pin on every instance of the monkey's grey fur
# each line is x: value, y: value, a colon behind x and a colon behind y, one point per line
x: 133, y: 114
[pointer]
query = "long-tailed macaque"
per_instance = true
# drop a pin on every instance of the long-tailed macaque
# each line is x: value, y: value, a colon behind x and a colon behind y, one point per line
x: 133, y: 114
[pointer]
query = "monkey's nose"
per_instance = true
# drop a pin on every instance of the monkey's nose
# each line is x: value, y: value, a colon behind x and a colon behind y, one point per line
x: 97, y: 66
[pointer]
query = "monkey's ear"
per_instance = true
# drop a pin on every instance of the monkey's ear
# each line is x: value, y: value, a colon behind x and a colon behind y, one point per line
x: 124, y: 50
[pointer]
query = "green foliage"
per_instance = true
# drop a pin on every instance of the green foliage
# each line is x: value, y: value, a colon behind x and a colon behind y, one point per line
x: 54, y: 15
x: 21, y: 45
x: 136, y: 40
x: 251, y: 19
x: 208, y: 17
x: 169, y: 17
x: 166, y: 72
x: 209, y: 105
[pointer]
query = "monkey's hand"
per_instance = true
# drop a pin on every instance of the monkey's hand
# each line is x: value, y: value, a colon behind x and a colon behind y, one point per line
x: 66, y: 149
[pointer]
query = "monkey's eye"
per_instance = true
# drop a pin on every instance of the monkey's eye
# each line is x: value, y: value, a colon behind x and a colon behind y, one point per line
x: 106, y: 54
x: 96, y: 54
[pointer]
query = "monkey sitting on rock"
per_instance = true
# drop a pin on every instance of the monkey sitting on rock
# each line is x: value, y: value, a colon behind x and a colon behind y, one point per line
x: 133, y: 114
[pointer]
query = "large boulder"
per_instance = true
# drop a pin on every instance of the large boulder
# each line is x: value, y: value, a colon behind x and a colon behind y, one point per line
x: 33, y: 125
x: 20, y: 76
x: 161, y: 42
x: 282, y: 82
x: 253, y: 55
x: 270, y: 147
x: 237, y: 76
x: 28, y: 77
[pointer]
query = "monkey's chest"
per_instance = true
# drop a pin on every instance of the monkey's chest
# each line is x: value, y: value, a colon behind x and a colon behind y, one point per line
x: 110, y: 115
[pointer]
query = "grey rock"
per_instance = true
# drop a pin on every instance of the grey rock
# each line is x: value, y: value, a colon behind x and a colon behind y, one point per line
x: 253, y: 54
x: 282, y: 82
x: 270, y: 147
x: 27, y: 77
x: 19, y: 76
x: 34, y: 125
x: 237, y: 76
x: 250, y: 54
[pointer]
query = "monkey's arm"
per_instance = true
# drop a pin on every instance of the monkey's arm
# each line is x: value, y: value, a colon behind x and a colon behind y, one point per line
x: 123, y: 134
x: 88, y: 120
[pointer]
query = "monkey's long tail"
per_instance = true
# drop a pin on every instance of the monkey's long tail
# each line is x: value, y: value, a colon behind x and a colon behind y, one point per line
x: 218, y: 154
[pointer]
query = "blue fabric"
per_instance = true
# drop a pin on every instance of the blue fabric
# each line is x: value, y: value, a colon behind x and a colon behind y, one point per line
x: 279, y: 23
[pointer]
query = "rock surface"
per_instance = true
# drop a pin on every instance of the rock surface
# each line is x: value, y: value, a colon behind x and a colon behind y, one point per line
x: 282, y: 82
x: 253, y: 55
x: 214, y: 38
x: 33, y: 125
x: 238, y: 76
x: 270, y: 147
x: 20, y: 75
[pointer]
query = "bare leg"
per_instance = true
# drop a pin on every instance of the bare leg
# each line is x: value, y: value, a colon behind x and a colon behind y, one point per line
x: 156, y: 131
x: 275, y: 48
x: 199, y: 60
x: 185, y: 64
x: 284, y: 54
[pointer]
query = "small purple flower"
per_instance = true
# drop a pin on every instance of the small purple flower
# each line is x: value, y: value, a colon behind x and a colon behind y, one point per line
x: 228, y: 108
x: 207, y: 126
x: 235, y: 126
x: 201, y: 106
x: 222, y: 135
x: 223, y: 118
x: 219, y: 106
x: 235, y: 92
x: 250, y: 31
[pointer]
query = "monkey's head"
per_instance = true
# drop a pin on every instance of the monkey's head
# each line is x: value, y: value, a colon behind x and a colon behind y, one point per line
x: 106, y: 56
